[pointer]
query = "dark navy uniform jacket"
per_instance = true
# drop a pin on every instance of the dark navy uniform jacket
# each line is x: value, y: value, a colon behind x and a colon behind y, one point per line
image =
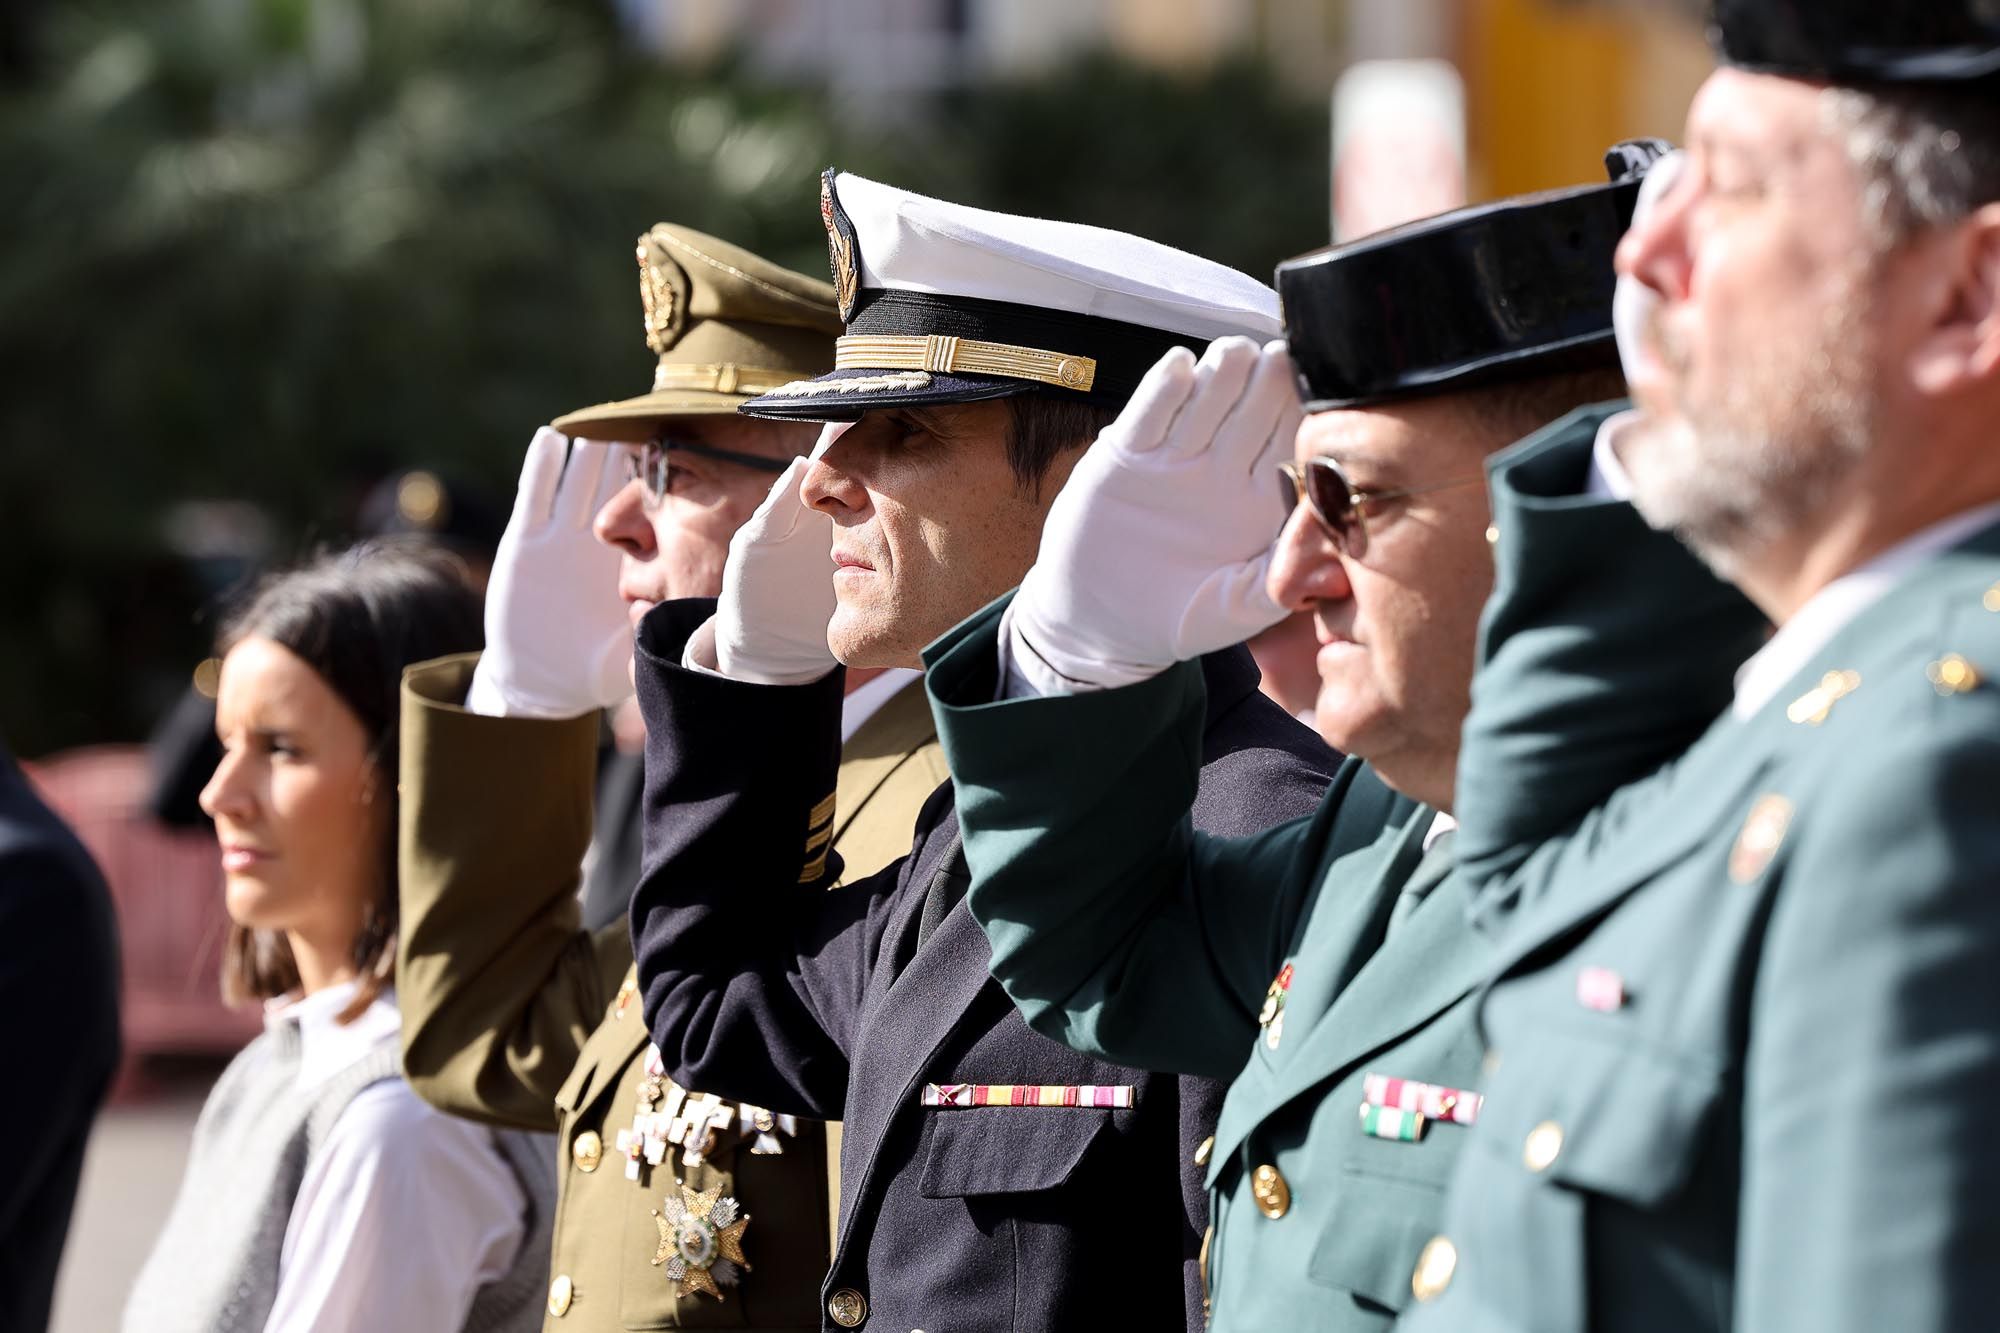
x: 765, y: 982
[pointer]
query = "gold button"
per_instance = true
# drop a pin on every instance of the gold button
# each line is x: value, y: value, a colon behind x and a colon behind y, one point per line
x: 587, y: 1150
x: 848, y: 1307
x: 1205, y: 1151
x: 1492, y: 535
x: 1545, y: 1144
x: 561, y: 1292
x: 1434, y: 1269
x: 1273, y: 1195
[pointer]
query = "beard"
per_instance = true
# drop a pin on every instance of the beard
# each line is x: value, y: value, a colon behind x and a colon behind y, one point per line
x: 1752, y: 459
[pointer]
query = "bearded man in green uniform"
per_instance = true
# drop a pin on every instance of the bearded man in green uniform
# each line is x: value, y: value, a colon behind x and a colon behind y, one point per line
x: 1744, y: 1020
x: 677, y: 1209
x: 1326, y: 966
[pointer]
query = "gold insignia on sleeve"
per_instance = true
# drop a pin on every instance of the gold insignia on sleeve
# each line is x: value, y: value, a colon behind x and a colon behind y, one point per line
x: 819, y: 837
x: 1763, y: 833
x: 1952, y: 674
x: 701, y: 1241
x: 1816, y: 703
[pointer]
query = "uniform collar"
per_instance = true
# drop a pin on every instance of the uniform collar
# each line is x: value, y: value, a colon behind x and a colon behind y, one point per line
x: 1835, y: 606
x: 864, y: 701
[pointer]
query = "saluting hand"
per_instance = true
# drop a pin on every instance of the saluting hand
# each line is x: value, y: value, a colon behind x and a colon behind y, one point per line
x: 557, y: 641
x: 1156, y: 549
x: 777, y: 592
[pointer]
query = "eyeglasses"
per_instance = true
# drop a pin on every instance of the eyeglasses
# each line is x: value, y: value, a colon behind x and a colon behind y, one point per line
x: 653, y: 464
x: 1341, y: 509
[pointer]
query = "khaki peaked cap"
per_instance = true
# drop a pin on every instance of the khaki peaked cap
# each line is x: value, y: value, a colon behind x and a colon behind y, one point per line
x: 726, y: 326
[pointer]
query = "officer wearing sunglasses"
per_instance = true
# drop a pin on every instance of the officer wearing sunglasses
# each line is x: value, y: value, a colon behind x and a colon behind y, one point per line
x: 1326, y: 966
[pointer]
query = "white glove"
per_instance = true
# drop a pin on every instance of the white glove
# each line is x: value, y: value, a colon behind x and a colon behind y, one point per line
x: 1632, y: 307
x: 1632, y: 301
x: 557, y: 640
x: 777, y: 594
x: 1156, y: 549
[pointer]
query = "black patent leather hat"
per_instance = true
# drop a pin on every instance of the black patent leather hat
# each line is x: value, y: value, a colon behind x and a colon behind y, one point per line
x: 1499, y: 291
x: 1861, y: 41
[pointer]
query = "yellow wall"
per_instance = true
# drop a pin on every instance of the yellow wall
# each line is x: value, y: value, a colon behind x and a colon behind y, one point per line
x: 1550, y: 84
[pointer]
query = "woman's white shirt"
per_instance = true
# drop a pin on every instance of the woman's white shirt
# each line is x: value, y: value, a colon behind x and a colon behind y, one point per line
x: 405, y: 1212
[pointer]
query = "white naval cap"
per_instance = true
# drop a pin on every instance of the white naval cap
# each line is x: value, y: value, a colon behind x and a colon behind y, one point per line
x: 948, y: 304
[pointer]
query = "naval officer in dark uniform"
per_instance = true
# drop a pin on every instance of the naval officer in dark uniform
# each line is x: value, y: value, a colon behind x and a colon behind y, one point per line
x: 990, y: 1178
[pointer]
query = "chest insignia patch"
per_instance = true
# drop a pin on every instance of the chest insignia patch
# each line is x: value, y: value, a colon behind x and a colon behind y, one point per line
x: 1271, y: 1017
x: 1763, y: 833
x: 701, y: 1241
x: 1600, y: 989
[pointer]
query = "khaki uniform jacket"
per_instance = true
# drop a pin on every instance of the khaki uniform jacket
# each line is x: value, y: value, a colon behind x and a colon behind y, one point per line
x: 513, y: 1015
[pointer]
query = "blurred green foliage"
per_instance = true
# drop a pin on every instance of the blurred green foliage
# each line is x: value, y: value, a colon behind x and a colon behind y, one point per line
x: 271, y: 250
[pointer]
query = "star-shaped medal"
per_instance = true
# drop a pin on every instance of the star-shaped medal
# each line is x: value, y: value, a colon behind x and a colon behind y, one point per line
x: 701, y: 1241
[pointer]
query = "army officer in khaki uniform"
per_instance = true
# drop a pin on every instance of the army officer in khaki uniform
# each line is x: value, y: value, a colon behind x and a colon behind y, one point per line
x: 677, y: 1209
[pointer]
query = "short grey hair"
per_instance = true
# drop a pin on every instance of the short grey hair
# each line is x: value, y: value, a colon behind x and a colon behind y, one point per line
x: 1928, y: 156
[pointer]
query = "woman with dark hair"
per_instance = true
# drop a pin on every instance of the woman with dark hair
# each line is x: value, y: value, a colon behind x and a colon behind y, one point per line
x: 321, y: 1193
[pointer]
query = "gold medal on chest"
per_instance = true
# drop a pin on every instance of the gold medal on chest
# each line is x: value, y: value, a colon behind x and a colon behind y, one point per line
x: 1271, y: 1017
x: 701, y: 1241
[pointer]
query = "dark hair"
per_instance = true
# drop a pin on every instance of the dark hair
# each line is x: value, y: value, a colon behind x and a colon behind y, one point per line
x: 357, y: 617
x: 1514, y: 409
x: 1041, y: 428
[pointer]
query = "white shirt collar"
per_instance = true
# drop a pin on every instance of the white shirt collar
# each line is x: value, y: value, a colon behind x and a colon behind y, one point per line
x: 327, y: 1046
x: 1835, y: 606
x: 864, y: 701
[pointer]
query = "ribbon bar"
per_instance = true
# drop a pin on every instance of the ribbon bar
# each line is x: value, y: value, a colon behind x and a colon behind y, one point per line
x: 1119, y: 1097
x: 1426, y: 1099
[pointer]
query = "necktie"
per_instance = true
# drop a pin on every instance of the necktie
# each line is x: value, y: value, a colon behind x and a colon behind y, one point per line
x: 948, y: 884
x: 1429, y: 873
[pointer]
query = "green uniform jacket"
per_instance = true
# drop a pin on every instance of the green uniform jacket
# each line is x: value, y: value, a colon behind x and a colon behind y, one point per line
x: 1745, y: 1014
x: 1121, y: 932
x: 514, y: 1016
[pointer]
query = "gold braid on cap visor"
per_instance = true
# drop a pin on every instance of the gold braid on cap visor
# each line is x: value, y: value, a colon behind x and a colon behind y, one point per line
x: 946, y: 354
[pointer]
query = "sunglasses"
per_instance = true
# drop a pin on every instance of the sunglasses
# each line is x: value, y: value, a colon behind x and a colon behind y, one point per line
x: 1340, y: 508
x: 653, y: 464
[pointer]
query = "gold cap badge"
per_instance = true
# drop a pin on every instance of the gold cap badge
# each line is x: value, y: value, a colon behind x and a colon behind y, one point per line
x: 839, y: 248
x: 663, y: 290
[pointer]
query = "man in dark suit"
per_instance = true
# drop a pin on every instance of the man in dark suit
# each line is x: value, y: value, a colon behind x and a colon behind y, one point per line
x: 990, y: 1177
x: 59, y: 987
